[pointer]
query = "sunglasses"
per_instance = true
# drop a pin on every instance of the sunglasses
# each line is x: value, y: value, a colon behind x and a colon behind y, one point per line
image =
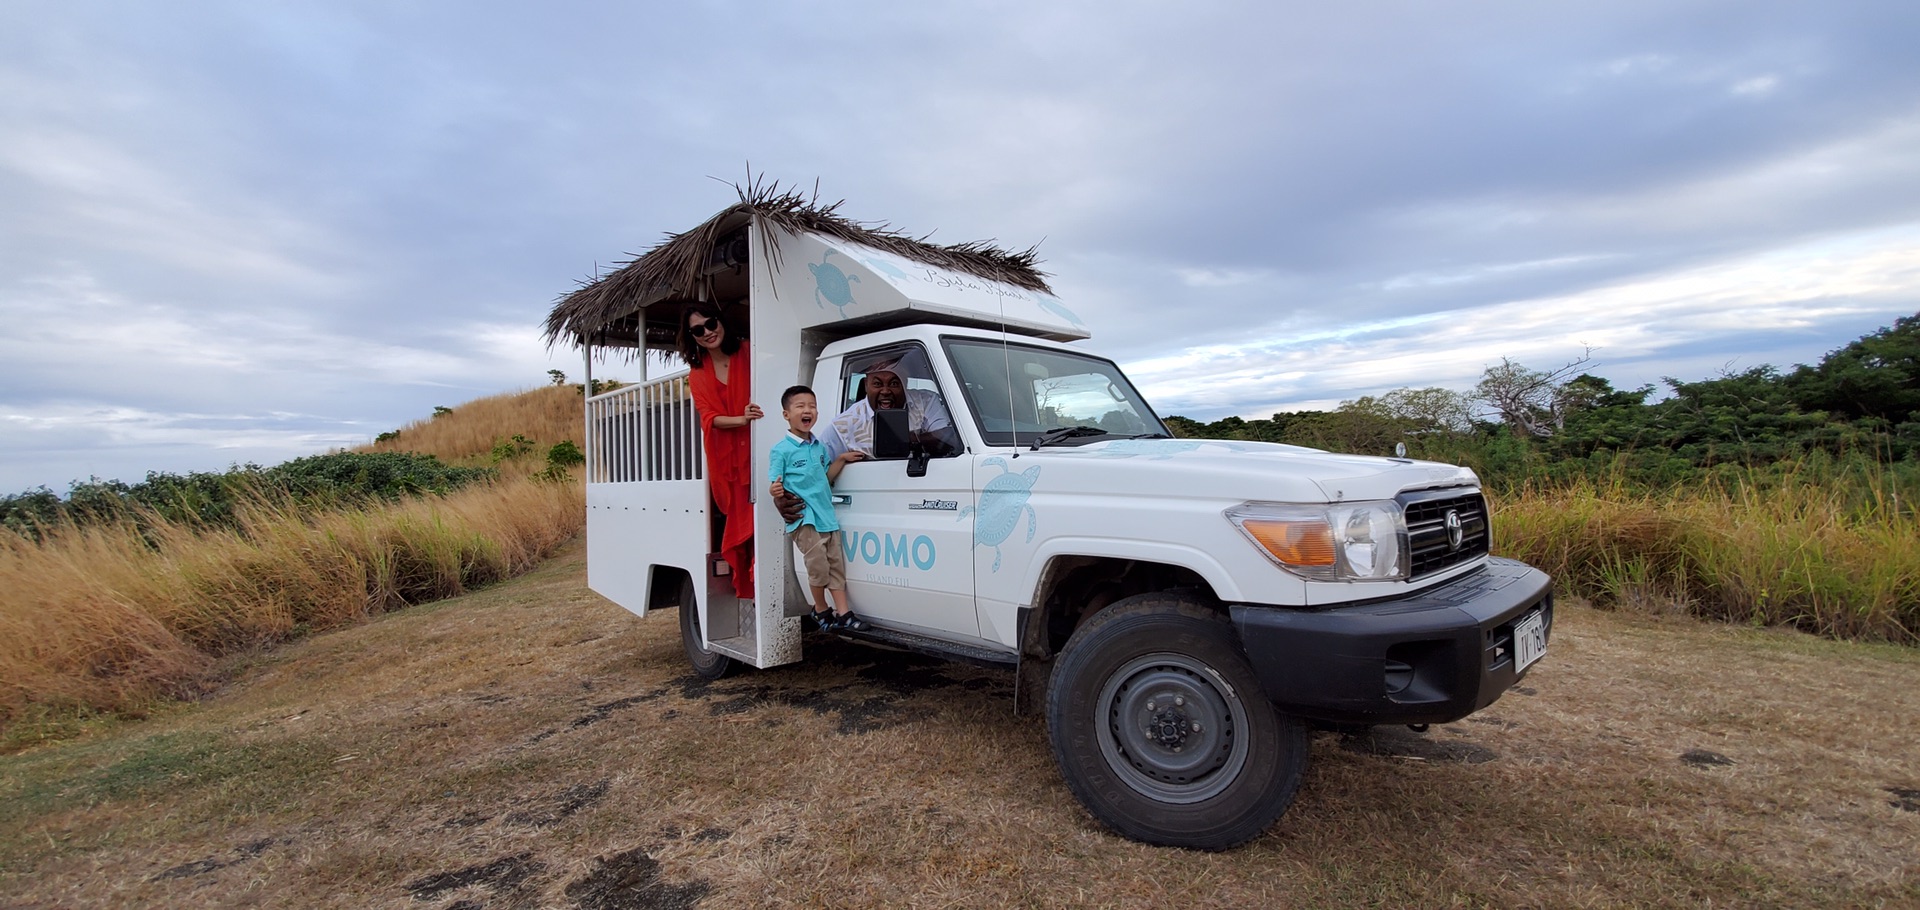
x: 703, y: 328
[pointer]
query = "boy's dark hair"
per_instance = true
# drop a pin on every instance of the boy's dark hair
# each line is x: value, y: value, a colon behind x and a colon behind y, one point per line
x: 791, y: 391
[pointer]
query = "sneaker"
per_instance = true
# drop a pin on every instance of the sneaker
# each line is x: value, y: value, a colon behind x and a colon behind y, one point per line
x: 847, y: 622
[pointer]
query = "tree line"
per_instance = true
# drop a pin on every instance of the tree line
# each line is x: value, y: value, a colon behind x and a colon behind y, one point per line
x: 1860, y: 403
x: 210, y: 499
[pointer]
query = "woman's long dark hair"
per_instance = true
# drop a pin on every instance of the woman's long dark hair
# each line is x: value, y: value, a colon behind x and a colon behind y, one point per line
x: 690, y: 350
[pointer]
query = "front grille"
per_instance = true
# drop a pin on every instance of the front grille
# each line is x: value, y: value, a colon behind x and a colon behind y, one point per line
x: 1428, y: 535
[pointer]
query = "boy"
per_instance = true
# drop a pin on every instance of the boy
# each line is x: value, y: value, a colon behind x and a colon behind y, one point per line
x: 799, y: 465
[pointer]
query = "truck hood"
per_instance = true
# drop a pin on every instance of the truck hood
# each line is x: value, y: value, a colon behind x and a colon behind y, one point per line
x: 1233, y: 469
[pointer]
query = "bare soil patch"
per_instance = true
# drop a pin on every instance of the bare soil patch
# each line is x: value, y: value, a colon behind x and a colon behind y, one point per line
x: 531, y: 745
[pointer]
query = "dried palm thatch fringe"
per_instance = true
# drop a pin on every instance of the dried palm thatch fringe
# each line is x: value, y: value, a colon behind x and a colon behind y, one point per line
x: 674, y: 266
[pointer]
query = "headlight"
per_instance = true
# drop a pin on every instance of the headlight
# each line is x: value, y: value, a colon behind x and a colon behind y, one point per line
x: 1349, y: 541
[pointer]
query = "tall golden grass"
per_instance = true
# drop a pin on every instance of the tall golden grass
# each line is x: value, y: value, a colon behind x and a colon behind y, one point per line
x: 105, y: 619
x: 1814, y: 556
x: 546, y: 415
x: 112, y: 617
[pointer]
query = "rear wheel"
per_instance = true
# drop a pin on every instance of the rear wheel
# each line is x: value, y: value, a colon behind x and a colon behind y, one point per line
x: 707, y: 663
x: 1162, y: 731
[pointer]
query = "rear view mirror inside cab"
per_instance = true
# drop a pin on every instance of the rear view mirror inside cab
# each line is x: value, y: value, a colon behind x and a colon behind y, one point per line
x: 890, y: 433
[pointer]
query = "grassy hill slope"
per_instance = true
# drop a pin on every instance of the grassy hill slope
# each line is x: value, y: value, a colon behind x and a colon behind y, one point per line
x: 469, y: 432
x: 532, y: 745
x: 120, y: 616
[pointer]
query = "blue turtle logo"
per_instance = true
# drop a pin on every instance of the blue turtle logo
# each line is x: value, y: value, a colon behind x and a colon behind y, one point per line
x: 1058, y: 309
x: 831, y: 284
x: 881, y: 265
x: 1001, y: 502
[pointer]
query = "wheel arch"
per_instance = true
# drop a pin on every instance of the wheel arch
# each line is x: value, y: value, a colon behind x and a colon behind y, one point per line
x: 1071, y: 588
x: 664, y: 584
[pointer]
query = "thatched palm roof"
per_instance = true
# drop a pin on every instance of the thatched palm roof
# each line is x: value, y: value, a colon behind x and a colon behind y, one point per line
x: 673, y: 269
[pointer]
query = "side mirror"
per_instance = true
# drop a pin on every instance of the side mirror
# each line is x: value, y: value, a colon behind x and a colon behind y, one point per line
x: 890, y: 438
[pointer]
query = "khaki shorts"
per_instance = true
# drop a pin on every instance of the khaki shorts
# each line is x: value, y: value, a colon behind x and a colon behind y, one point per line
x: 820, y: 553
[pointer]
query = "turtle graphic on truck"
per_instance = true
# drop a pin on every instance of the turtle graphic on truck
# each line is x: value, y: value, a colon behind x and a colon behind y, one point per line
x: 831, y: 285
x: 1183, y: 616
x: 1002, y: 501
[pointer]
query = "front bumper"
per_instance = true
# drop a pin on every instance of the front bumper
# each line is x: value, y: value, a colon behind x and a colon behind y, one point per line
x: 1431, y: 657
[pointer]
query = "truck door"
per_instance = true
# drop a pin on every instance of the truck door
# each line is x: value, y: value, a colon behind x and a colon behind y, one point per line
x: 907, y: 540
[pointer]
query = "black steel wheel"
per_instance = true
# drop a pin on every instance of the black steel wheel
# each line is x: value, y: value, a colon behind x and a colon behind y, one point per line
x: 708, y: 663
x: 1162, y: 731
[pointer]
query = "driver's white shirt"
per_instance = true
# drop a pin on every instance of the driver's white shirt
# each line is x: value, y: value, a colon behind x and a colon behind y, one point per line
x: 853, y: 429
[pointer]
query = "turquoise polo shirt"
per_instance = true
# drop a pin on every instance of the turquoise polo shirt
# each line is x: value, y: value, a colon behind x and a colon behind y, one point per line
x: 801, y: 466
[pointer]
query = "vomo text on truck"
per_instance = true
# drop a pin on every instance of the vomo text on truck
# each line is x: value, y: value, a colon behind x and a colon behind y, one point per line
x: 1181, y: 610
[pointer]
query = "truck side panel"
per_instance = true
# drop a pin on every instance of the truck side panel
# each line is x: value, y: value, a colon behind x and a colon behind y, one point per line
x: 634, y: 526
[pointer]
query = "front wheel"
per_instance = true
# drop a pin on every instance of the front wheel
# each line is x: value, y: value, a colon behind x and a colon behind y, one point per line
x: 707, y: 663
x: 1162, y: 731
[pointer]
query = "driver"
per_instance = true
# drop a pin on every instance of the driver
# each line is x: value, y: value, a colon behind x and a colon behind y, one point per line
x: 928, y: 422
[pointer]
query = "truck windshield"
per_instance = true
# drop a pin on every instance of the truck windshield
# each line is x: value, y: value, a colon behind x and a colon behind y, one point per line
x: 1018, y: 392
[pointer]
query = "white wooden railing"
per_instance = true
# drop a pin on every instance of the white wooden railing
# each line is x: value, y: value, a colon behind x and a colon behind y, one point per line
x: 641, y: 432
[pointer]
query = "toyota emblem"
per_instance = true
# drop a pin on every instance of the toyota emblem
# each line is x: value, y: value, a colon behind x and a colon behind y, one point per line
x: 1456, y: 532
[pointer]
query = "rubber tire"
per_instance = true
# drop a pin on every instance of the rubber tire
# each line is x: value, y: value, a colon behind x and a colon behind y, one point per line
x: 706, y: 663
x: 1158, y: 631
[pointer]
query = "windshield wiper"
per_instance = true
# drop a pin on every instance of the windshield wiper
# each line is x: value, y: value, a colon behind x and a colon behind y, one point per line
x: 1052, y: 436
x: 1151, y: 436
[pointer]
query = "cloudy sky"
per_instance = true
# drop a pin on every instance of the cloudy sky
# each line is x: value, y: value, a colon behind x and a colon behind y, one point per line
x: 252, y: 231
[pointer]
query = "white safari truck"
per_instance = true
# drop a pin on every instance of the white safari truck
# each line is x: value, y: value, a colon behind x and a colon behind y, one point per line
x: 1181, y: 610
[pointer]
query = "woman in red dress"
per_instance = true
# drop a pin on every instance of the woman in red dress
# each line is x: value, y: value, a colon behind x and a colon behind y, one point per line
x: 722, y: 382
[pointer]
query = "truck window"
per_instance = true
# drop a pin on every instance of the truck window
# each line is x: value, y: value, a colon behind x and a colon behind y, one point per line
x: 913, y: 387
x: 1017, y: 391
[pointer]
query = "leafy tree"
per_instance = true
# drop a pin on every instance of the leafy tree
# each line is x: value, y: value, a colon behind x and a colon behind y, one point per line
x: 1361, y: 426
x: 1877, y: 376
x: 1185, y: 427
x: 1748, y: 417
x: 1430, y: 410
x: 1602, y: 418
x: 1529, y: 402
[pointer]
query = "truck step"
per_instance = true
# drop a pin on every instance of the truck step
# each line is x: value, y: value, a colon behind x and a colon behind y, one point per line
x: 934, y: 647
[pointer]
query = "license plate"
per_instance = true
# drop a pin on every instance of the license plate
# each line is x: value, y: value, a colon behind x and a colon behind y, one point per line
x: 1529, y: 640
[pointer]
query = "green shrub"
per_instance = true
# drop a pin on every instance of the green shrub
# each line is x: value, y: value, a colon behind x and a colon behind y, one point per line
x: 205, y: 499
x: 511, y: 448
x: 565, y: 454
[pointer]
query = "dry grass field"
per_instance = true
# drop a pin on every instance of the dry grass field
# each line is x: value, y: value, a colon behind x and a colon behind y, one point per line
x: 115, y: 618
x: 531, y: 745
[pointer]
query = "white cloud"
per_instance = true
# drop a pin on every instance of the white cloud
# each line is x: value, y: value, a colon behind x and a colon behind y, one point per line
x: 1758, y: 86
x: 1223, y: 278
x: 1795, y: 289
x: 1638, y: 64
x: 1482, y: 272
x: 100, y: 194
